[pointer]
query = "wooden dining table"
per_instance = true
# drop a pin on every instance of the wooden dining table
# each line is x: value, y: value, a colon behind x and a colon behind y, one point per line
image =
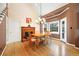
x: 39, y: 35
x: 38, y: 38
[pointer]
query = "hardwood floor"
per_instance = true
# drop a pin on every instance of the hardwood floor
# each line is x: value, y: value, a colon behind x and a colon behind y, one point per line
x: 55, y: 48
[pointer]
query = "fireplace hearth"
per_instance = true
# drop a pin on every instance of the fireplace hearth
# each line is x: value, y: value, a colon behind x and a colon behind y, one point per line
x: 26, y: 32
x: 26, y: 35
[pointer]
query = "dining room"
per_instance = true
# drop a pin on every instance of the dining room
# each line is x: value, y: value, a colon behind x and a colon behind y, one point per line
x: 41, y: 29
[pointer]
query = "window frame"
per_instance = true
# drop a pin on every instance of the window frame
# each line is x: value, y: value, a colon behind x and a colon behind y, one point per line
x: 54, y: 32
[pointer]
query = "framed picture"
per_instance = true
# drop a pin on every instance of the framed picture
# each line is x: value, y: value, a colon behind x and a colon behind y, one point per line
x: 54, y: 27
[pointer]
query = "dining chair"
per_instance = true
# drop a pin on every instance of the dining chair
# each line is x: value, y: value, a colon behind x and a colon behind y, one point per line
x: 32, y: 40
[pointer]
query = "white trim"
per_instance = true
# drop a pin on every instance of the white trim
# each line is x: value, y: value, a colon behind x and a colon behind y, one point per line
x: 3, y: 51
x: 65, y: 36
x: 72, y: 45
x: 12, y: 42
x: 76, y: 47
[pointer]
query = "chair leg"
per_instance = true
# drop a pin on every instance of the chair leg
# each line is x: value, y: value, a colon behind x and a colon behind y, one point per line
x: 37, y: 44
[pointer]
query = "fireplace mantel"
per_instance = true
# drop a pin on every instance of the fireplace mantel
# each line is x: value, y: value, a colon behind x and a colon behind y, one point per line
x: 24, y: 30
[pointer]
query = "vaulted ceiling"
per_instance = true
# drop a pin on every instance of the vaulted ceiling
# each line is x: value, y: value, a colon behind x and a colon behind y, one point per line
x: 48, y: 7
x: 45, y: 7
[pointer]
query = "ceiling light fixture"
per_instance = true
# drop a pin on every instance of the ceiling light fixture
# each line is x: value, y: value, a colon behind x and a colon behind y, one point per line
x: 40, y: 19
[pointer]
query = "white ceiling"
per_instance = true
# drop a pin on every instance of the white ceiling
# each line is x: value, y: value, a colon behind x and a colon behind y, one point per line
x: 48, y: 7
x: 45, y: 7
x: 2, y: 6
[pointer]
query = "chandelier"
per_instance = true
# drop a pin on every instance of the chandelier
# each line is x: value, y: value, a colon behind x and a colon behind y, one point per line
x: 40, y: 19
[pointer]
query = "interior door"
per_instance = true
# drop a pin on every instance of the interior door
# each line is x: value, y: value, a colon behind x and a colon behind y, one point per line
x: 63, y: 29
x: 14, y: 31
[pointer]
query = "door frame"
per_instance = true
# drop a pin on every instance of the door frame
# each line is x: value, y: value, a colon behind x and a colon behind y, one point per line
x: 65, y: 39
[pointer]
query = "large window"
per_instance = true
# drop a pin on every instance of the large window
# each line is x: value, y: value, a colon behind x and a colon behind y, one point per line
x: 45, y: 27
x: 54, y: 27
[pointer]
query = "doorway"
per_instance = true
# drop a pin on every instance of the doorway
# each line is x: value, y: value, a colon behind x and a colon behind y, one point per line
x: 63, y: 29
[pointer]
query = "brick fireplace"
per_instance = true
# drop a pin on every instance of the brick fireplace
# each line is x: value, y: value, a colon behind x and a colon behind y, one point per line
x: 26, y: 32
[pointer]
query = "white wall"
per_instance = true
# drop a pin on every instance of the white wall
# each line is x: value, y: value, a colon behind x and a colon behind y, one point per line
x: 13, y: 30
x: 17, y: 14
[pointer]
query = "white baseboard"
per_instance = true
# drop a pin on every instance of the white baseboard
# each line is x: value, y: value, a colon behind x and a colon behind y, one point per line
x: 3, y: 51
x: 72, y: 45
x: 76, y: 47
x: 12, y: 41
